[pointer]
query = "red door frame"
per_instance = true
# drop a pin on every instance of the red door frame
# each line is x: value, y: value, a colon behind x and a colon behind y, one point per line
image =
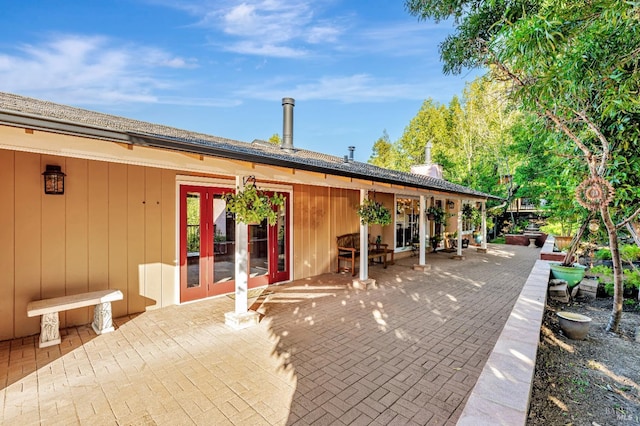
x: 207, y: 286
x: 206, y: 262
x: 276, y: 276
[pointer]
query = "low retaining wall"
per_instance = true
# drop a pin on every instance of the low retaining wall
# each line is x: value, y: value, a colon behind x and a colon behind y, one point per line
x: 501, y: 394
x: 547, y: 253
x: 523, y: 239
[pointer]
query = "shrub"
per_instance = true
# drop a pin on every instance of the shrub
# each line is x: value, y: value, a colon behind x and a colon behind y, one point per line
x: 630, y: 253
x: 603, y: 254
x: 631, y: 281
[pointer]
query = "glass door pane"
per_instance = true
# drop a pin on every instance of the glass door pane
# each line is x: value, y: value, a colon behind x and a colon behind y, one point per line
x: 281, y: 240
x: 224, y: 241
x: 259, y: 254
x: 194, y: 244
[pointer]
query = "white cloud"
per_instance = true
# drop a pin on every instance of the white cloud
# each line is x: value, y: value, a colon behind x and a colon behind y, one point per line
x: 278, y: 28
x: 348, y: 89
x: 87, y: 70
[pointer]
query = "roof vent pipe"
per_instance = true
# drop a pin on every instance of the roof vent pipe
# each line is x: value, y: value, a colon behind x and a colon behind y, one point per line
x: 351, y: 149
x: 427, y: 153
x: 287, y: 124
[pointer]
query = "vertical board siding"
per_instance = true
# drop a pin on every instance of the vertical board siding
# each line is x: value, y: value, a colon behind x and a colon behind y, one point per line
x: 117, y: 229
x: 135, y: 239
x: 320, y: 214
x: 170, y: 291
x: 77, y: 238
x: 98, y: 225
x: 7, y: 244
x: 153, y: 238
x: 28, y: 236
x: 53, y: 240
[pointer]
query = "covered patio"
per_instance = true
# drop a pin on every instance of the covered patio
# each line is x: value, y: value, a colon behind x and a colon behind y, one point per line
x: 408, y: 352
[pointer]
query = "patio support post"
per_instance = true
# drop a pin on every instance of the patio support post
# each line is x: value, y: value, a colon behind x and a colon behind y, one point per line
x: 422, y: 227
x: 458, y: 255
x: 460, y: 229
x: 363, y: 281
x: 241, y: 317
x: 364, y: 242
x: 422, y: 244
x: 483, y: 228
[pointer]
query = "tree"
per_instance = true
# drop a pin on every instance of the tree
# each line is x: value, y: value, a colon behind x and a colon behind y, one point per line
x: 430, y: 124
x: 275, y: 139
x: 383, y: 152
x: 576, y: 66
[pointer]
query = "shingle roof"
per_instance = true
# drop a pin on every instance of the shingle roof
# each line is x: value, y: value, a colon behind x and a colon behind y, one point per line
x: 169, y: 137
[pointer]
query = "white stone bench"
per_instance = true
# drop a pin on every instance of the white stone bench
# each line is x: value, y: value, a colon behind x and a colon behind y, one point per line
x: 49, y: 308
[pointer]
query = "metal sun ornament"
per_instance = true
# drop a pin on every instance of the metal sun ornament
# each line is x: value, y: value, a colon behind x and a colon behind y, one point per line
x: 594, y: 193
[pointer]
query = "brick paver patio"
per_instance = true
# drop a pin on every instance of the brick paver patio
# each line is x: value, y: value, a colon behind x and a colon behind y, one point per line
x: 408, y: 352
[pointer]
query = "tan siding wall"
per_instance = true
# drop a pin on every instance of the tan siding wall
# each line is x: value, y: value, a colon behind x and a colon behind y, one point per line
x: 76, y: 237
x: 7, y: 244
x: 113, y: 228
x: 319, y: 215
x: 27, y: 203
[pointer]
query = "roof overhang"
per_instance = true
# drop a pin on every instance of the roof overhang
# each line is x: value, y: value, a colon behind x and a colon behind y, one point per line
x: 36, y: 122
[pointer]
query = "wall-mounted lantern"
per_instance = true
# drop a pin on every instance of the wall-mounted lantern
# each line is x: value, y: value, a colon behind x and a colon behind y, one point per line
x: 53, y: 180
x: 451, y: 204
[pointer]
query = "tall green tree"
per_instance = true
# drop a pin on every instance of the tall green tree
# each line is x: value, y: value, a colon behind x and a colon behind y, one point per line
x: 384, y: 153
x: 576, y: 66
x: 429, y: 124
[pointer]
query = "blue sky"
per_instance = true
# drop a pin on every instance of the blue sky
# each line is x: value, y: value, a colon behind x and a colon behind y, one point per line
x: 222, y: 67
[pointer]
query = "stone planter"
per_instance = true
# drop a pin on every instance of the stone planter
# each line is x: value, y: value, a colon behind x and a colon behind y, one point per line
x: 575, y: 326
x: 571, y: 274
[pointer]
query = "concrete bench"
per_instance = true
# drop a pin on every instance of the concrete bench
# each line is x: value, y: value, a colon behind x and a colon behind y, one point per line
x: 49, y: 308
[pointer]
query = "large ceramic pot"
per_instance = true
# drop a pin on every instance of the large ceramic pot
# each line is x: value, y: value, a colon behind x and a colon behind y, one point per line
x: 575, y: 326
x: 563, y: 242
x: 571, y: 274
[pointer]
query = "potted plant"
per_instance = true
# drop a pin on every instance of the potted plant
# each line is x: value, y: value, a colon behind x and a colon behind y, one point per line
x: 372, y: 212
x: 435, y: 241
x: 251, y: 205
x: 437, y: 214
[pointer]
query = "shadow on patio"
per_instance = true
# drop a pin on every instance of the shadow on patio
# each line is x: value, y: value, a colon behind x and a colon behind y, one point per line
x: 410, y: 350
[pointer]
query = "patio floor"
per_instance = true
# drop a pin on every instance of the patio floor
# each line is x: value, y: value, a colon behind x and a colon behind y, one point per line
x: 408, y: 352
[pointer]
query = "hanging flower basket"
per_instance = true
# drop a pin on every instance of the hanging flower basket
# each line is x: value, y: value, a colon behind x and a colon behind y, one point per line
x: 372, y: 212
x: 437, y: 214
x: 251, y: 205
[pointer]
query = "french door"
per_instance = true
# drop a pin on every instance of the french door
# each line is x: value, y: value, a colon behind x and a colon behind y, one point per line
x: 269, y: 249
x: 207, y: 245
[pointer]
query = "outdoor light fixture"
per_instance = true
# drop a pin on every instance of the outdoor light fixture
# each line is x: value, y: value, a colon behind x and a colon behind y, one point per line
x: 594, y: 225
x: 451, y: 204
x: 53, y: 180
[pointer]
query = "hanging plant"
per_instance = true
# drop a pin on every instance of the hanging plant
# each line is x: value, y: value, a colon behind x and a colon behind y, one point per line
x: 437, y: 213
x: 467, y: 211
x: 251, y: 205
x: 372, y: 212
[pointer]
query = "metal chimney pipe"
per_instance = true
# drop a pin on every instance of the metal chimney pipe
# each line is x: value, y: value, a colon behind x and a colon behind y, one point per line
x: 351, y: 149
x: 287, y: 123
x: 427, y: 153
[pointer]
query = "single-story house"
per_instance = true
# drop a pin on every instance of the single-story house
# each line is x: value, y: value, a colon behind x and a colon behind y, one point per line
x: 142, y: 210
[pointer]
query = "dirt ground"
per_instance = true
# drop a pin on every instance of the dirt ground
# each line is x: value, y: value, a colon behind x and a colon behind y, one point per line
x: 592, y: 382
